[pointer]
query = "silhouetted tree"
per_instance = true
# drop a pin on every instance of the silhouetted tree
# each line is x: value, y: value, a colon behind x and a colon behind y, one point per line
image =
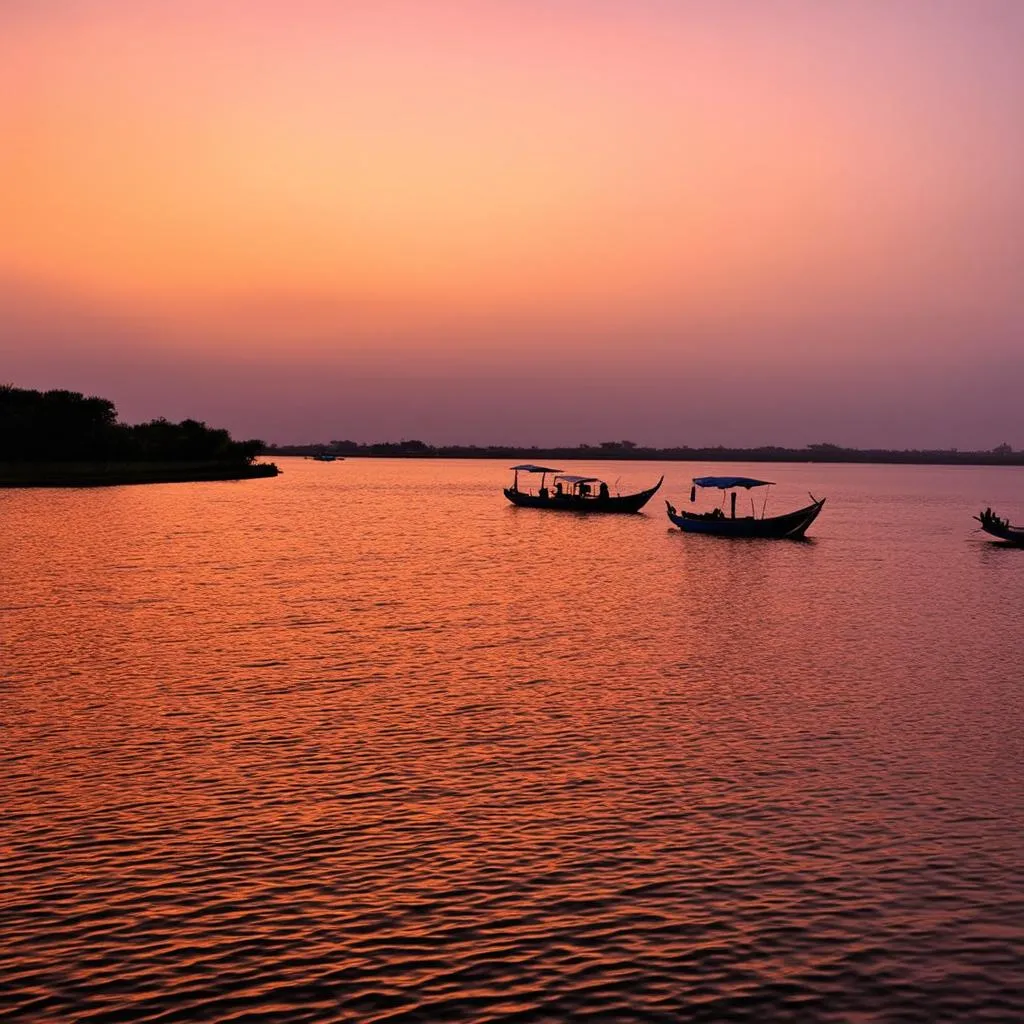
x: 65, y: 426
x: 54, y: 425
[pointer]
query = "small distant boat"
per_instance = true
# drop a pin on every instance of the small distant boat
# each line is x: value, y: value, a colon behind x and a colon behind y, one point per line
x: 569, y: 493
x: 790, y: 525
x: 1001, y: 528
x: 324, y: 457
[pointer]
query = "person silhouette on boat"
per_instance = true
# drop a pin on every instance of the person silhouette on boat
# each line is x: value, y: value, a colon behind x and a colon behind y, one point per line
x: 602, y: 492
x: 558, y: 489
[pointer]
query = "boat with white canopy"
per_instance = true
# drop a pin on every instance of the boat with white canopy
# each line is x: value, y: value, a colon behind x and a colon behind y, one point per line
x: 792, y: 525
x: 572, y: 493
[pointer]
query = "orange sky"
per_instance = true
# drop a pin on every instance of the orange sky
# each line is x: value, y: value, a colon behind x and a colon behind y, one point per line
x: 627, y: 190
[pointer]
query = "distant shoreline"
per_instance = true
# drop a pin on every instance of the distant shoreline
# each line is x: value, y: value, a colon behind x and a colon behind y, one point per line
x: 823, y: 453
x: 116, y: 474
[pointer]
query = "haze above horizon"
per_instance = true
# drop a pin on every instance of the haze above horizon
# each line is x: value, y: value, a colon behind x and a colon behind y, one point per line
x: 530, y: 223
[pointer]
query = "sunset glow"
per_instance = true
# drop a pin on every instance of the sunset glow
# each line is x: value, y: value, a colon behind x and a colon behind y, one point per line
x: 653, y: 190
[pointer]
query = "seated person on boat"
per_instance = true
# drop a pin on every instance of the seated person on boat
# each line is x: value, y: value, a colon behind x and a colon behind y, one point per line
x: 529, y: 467
x: 790, y: 524
x: 574, y: 493
x: 579, y: 487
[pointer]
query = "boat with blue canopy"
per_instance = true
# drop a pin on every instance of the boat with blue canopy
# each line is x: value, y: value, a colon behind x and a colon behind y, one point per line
x: 572, y: 493
x: 792, y: 525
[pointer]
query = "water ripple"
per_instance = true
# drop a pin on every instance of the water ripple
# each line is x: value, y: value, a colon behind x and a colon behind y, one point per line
x: 282, y: 751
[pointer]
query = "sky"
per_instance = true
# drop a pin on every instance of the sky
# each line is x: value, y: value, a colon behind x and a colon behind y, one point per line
x: 521, y: 221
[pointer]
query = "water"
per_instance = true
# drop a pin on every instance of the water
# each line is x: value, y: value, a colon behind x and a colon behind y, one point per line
x: 365, y: 743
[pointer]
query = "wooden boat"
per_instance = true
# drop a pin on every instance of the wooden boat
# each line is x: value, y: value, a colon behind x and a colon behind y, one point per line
x: 570, y: 493
x: 792, y: 525
x: 1001, y: 528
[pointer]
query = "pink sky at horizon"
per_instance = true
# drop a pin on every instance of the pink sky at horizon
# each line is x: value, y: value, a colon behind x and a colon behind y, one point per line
x: 536, y: 222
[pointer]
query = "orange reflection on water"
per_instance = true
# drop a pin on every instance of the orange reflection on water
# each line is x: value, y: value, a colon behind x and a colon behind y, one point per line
x: 367, y: 739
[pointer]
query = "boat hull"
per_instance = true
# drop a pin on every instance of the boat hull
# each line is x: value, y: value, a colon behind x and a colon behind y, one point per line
x: 1006, y: 533
x: 620, y: 503
x: 791, y: 525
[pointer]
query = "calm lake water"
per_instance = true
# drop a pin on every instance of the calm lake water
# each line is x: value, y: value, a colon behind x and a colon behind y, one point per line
x: 365, y: 743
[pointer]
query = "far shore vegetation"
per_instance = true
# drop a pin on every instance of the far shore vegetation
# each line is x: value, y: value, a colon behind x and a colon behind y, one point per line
x: 1002, y: 455
x: 64, y: 439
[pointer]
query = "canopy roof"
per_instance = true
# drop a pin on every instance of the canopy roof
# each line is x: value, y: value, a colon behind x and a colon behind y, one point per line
x: 728, y: 482
x: 528, y: 467
x: 569, y: 479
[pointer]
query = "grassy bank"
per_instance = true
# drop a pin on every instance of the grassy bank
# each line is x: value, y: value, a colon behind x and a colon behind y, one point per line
x: 110, y: 474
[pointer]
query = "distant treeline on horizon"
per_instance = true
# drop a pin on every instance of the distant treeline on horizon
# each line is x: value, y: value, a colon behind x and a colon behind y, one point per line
x: 1002, y: 455
x: 65, y: 426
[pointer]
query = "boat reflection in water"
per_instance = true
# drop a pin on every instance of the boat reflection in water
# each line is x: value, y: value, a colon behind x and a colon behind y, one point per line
x: 791, y: 525
x: 569, y: 493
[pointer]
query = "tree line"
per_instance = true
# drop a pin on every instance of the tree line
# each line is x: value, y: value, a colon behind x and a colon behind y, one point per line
x: 1001, y: 455
x: 66, y: 426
